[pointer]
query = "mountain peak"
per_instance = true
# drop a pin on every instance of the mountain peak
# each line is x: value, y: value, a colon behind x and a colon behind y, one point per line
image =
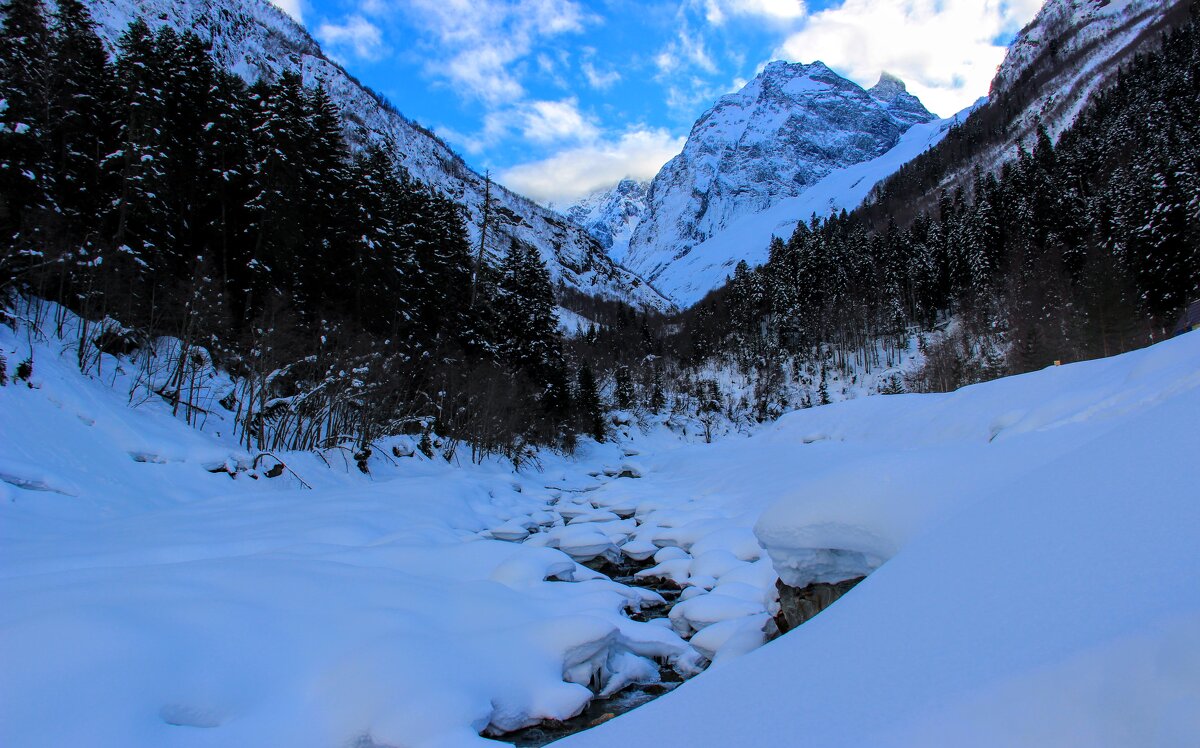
x: 785, y: 131
x: 902, y: 105
x: 888, y: 87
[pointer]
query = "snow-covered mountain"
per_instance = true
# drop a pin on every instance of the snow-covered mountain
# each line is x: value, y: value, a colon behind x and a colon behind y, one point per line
x: 612, y: 215
x: 254, y: 38
x: 784, y: 132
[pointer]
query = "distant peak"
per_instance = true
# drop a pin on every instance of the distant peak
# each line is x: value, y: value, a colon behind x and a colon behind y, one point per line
x: 793, y: 69
x: 891, y: 92
x: 888, y: 87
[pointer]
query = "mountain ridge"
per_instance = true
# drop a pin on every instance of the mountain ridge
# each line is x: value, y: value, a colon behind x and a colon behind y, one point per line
x: 255, y: 38
x: 783, y: 133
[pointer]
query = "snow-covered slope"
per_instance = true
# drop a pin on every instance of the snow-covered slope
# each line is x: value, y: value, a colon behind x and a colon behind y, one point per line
x: 1070, y: 50
x: 612, y: 215
x: 1040, y: 578
x: 1032, y: 541
x: 254, y: 38
x: 786, y: 130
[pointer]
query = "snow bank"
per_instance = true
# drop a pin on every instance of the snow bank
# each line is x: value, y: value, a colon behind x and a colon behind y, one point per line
x: 150, y: 602
x: 1041, y: 583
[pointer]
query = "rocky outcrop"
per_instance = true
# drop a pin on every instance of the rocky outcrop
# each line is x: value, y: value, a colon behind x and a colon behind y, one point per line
x: 797, y: 606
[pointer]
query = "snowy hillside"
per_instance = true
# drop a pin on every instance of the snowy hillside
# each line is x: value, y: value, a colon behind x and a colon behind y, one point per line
x: 254, y: 38
x: 1038, y: 577
x: 1032, y: 543
x: 1072, y: 49
x: 788, y: 129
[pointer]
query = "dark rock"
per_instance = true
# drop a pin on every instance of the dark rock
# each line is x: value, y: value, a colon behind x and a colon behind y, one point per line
x: 796, y: 606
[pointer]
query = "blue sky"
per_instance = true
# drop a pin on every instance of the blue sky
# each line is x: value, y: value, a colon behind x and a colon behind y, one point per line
x: 559, y: 98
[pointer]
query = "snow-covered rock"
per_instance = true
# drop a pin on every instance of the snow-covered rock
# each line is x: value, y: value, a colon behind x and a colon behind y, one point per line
x: 1071, y: 49
x: 254, y: 38
x: 611, y: 215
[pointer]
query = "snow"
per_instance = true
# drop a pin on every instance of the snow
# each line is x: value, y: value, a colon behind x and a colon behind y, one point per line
x: 1038, y: 578
x: 747, y: 162
x: 151, y: 602
x: 1030, y: 544
x: 747, y: 237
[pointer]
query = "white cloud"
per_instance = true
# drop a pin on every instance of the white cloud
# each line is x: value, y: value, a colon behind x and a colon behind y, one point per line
x: 686, y: 49
x: 292, y: 8
x: 555, y: 121
x: 357, y: 35
x: 541, y: 122
x: 600, y: 80
x: 946, y: 51
x: 715, y: 11
x: 480, y: 42
x: 582, y: 170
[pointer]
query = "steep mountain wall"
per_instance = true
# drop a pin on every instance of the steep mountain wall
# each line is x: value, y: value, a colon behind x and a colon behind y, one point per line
x: 255, y: 39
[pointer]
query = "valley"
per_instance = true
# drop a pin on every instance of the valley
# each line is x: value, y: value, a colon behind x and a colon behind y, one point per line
x: 851, y: 425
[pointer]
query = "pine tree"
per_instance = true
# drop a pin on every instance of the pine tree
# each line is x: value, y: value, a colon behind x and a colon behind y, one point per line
x: 624, y: 392
x: 658, y: 397
x: 24, y: 128
x: 590, y: 415
x: 81, y: 101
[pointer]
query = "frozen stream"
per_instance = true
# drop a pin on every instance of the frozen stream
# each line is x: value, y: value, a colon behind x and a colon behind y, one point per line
x: 600, y: 527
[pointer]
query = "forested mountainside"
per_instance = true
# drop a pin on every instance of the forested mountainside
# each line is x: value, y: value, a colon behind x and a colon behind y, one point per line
x: 254, y: 39
x: 1076, y: 249
x: 159, y: 195
x: 1069, y: 52
x: 372, y: 313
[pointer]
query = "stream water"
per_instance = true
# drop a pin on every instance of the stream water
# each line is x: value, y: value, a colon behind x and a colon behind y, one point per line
x: 602, y: 709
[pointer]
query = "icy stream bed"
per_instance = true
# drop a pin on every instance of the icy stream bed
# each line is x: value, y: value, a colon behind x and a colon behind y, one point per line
x: 672, y: 564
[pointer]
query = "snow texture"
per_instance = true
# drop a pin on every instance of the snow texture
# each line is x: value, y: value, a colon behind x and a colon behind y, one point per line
x: 1038, y: 576
x: 1032, y: 543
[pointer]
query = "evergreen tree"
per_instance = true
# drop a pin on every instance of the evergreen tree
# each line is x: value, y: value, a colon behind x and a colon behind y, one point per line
x: 590, y: 415
x: 24, y: 129
x: 624, y: 392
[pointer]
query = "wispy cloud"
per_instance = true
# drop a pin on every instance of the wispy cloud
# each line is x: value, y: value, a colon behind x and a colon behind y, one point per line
x: 716, y: 11
x: 598, y: 79
x: 356, y: 35
x: 477, y: 44
x: 556, y: 121
x: 575, y: 172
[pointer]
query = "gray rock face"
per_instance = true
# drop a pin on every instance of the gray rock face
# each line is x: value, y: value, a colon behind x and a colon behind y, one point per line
x: 899, y: 103
x: 612, y: 215
x: 787, y: 129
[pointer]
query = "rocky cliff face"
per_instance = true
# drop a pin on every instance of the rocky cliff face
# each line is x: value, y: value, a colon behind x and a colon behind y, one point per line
x: 254, y: 39
x: 611, y: 216
x: 786, y: 130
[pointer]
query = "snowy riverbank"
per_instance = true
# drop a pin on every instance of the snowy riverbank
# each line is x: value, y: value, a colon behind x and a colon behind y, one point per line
x: 1037, y: 582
